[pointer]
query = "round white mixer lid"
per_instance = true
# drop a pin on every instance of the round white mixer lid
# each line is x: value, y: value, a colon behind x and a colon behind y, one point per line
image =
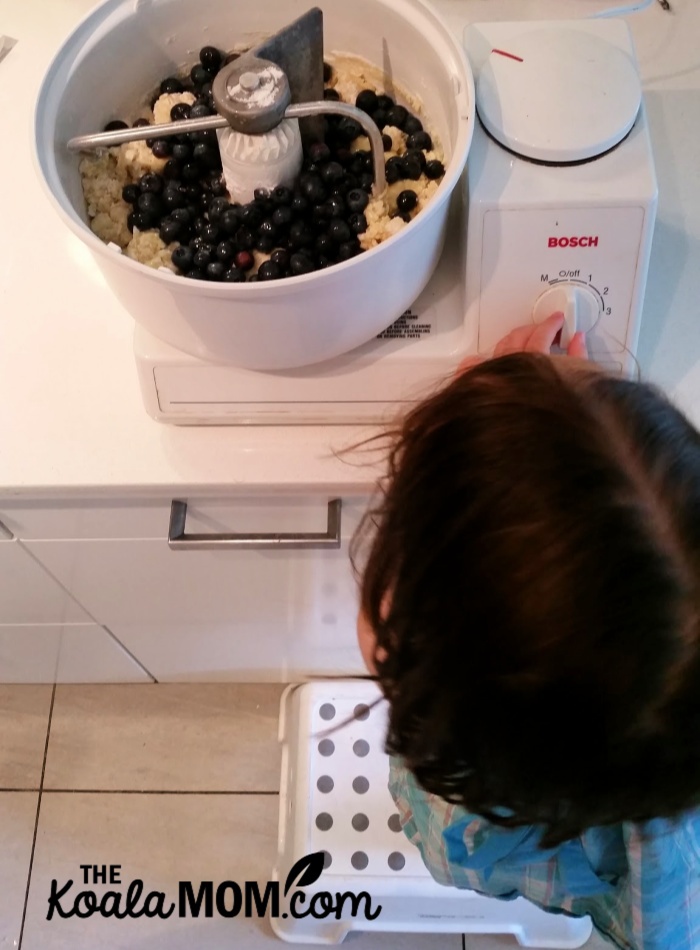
x: 558, y: 95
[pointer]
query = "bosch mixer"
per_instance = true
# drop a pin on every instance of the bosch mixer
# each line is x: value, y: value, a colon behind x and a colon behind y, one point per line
x: 556, y: 211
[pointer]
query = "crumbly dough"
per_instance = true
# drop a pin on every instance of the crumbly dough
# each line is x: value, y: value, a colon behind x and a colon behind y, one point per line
x: 149, y: 249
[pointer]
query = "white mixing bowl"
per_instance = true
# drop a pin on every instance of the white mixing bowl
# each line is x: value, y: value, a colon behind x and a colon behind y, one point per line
x: 125, y: 47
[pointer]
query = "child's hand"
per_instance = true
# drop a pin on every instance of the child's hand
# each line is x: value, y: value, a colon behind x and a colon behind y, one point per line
x: 539, y: 338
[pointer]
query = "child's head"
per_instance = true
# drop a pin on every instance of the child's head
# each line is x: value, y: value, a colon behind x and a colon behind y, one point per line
x: 533, y: 583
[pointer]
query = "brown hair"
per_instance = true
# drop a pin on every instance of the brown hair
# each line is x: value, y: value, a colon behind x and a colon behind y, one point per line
x: 531, y: 573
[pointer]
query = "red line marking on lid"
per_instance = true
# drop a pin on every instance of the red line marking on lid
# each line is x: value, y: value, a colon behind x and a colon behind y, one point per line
x: 502, y: 52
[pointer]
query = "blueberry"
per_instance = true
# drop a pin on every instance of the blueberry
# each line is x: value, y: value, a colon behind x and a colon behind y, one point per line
x: 245, y: 240
x: 367, y: 181
x: 387, y: 143
x: 281, y: 257
x: 349, y: 130
x: 347, y: 250
x: 210, y: 58
x: 143, y: 220
x: 191, y: 172
x: 367, y: 101
x: 267, y: 228
x: 420, y: 140
x: 319, y: 153
x: 312, y: 188
x: 173, y: 199
x: 200, y: 111
x: 357, y: 200
x: 330, y: 95
x: 434, y: 170
x: 182, y: 258
x: 379, y: 118
x: 182, y: 151
x: 339, y: 231
x: 203, y: 257
x: 282, y: 195
x: 225, y: 251
x: 152, y: 182
x: 210, y: 233
x: 130, y: 194
x: 332, y: 172
x: 180, y: 111
x: 216, y: 210
x: 199, y: 75
x: 397, y: 116
x: 170, y: 231
x: 172, y: 170
x: 264, y: 243
x: 201, y: 152
x: 183, y: 216
x: 327, y: 72
x: 418, y: 155
x: 150, y: 203
x: 324, y: 245
x: 230, y: 221
x: 411, y: 167
x: 283, y: 216
x: 336, y: 206
x: 140, y: 124
x: 115, y: 126
x: 321, y: 213
x: 357, y: 223
x: 196, y: 274
x: 218, y: 187
x: 250, y: 216
x: 205, y: 93
x: 300, y: 234
x: 270, y: 270
x: 299, y: 204
x: 216, y: 270
x: 191, y: 191
x: 407, y: 201
x: 300, y: 264
x: 412, y: 125
x: 385, y: 103
x: 244, y: 260
x: 234, y: 276
x: 170, y: 85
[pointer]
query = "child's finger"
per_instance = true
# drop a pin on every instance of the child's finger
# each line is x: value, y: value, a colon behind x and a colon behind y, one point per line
x: 515, y: 342
x: 545, y: 333
x: 577, y: 347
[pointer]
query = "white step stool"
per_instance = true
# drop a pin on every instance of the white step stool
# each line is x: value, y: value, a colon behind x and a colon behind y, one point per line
x: 334, y: 798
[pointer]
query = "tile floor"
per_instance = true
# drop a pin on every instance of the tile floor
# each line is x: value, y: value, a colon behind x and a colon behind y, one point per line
x: 172, y: 783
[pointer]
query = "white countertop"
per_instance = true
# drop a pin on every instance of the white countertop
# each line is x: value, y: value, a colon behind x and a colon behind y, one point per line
x: 71, y: 417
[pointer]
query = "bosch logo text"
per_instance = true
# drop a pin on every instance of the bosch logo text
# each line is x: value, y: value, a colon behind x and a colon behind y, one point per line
x: 585, y: 241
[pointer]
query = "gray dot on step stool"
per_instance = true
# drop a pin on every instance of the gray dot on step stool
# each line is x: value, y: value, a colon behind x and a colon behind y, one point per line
x: 361, y: 748
x: 359, y: 860
x: 396, y: 861
x: 326, y: 747
x: 360, y: 785
x: 325, y: 784
x: 394, y: 823
x: 324, y: 821
x: 327, y: 711
x: 327, y: 860
x: 360, y: 822
x: 361, y: 712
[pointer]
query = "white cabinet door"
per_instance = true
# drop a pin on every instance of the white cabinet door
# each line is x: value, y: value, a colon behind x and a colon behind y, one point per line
x: 28, y: 594
x: 64, y: 653
x: 219, y: 615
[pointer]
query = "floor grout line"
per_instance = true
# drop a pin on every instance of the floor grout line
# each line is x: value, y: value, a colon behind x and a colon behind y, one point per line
x: 36, y: 820
x: 147, y: 791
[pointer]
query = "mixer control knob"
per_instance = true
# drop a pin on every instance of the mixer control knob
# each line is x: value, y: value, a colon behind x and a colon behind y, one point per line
x: 580, y: 306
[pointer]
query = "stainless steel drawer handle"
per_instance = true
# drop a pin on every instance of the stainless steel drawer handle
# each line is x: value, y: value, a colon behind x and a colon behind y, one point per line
x: 179, y: 540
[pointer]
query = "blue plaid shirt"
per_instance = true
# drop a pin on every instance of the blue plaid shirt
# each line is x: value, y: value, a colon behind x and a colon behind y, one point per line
x: 639, y: 884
